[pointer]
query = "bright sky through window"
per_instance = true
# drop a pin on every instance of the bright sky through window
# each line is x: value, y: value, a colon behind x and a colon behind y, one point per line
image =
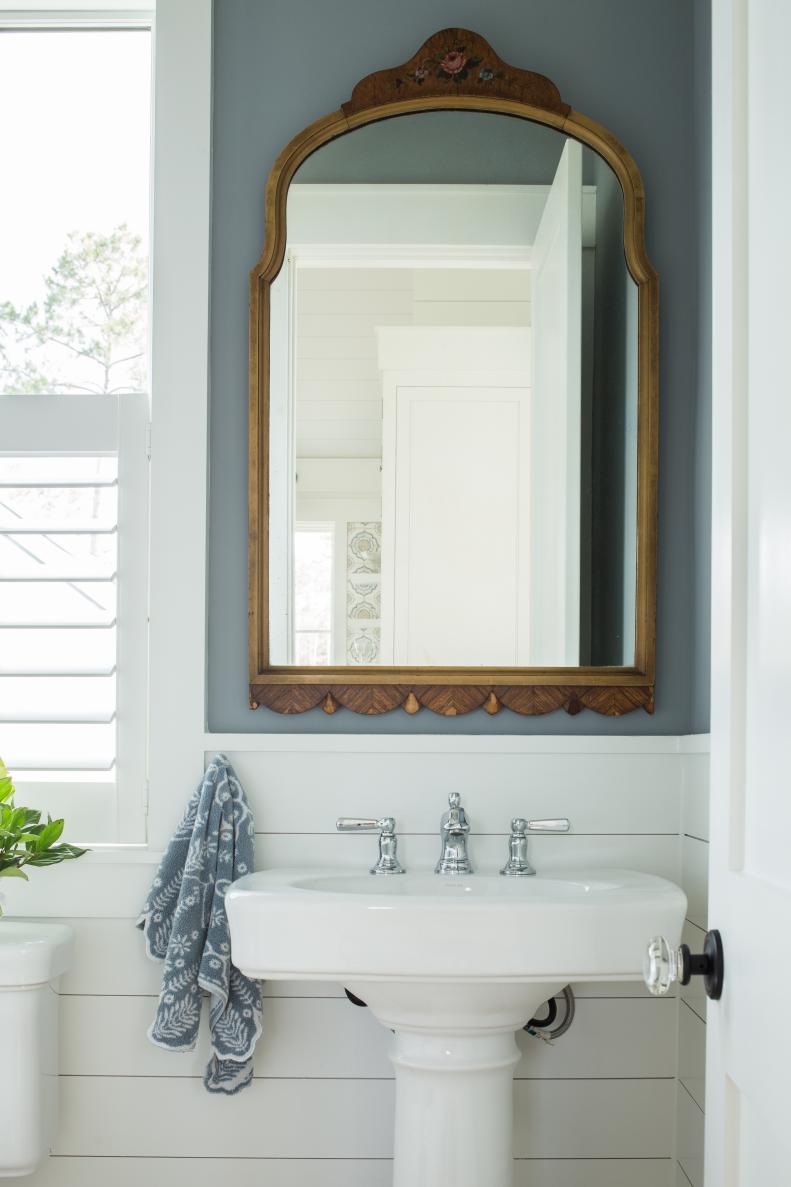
x: 75, y: 145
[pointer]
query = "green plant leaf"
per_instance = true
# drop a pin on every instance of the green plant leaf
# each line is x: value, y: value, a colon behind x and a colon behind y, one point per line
x: 24, y: 840
x: 55, y: 855
x: 49, y: 834
x: 70, y: 851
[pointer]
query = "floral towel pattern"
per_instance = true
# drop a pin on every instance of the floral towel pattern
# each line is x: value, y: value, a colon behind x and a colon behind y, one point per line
x: 185, y: 925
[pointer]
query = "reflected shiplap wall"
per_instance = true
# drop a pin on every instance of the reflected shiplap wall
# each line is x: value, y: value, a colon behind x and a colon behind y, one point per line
x: 280, y: 65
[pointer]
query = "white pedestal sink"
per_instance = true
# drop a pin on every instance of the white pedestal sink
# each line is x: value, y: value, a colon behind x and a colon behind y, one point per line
x: 454, y: 966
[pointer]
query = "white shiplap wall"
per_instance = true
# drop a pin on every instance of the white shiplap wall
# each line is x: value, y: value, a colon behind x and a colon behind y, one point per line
x: 691, y: 1094
x: 596, y: 1110
x: 338, y: 384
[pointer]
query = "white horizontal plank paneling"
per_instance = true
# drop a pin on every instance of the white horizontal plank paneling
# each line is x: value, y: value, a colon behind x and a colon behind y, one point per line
x: 329, y: 1037
x: 692, y: 1054
x: 689, y: 1138
x: 593, y: 1118
x: 600, y: 793
x: 588, y: 1172
x: 472, y: 313
x: 356, y: 301
x: 102, y: 884
x: 608, y: 1038
x: 337, y: 432
x: 329, y: 347
x: 310, y: 1038
x: 694, y: 994
x: 345, y: 325
x: 271, y: 1118
x: 695, y: 879
x: 311, y: 446
x: 696, y: 796
x: 338, y: 389
x: 109, y: 958
x: 319, y: 1172
x: 653, y: 855
x: 495, y: 285
x: 339, y: 369
x: 309, y: 410
x: 345, y: 1118
x: 333, y: 280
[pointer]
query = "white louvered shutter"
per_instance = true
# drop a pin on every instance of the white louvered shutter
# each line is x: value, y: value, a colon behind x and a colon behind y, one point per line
x: 73, y: 528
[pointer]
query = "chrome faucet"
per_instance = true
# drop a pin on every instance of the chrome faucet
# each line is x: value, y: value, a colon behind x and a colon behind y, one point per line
x: 518, y: 864
x: 453, y: 830
x: 388, y: 862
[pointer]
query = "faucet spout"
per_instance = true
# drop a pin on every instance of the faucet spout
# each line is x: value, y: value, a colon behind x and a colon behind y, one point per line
x: 454, y: 830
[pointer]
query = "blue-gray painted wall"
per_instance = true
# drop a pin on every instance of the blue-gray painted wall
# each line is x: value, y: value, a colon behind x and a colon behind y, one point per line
x: 630, y: 64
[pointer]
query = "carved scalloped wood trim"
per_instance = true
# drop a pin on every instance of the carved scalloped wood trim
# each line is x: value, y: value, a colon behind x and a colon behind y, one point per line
x: 453, y: 700
x: 510, y: 91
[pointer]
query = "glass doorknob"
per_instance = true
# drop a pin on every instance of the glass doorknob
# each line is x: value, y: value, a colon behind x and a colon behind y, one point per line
x: 662, y: 965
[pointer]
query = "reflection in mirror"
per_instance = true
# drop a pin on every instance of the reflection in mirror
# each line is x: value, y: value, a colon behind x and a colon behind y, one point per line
x: 453, y: 402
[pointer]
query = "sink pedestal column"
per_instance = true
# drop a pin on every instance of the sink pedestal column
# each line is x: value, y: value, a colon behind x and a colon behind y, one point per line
x: 454, y: 1113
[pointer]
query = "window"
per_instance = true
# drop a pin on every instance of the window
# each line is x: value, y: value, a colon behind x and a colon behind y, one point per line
x: 74, y: 412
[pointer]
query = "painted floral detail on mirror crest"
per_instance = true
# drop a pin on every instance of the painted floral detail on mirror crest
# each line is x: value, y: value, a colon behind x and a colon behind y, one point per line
x: 455, y: 65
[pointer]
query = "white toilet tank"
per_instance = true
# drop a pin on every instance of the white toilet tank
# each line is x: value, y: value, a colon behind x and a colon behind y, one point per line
x: 32, y: 957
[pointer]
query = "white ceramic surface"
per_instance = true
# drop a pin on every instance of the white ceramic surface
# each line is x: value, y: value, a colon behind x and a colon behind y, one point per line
x: 32, y: 957
x: 453, y: 965
x: 32, y: 953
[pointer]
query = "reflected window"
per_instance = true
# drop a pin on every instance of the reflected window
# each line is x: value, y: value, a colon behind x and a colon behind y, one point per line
x: 314, y: 552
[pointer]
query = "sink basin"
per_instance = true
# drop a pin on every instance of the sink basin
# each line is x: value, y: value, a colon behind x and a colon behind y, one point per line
x: 335, y: 926
x: 454, y: 965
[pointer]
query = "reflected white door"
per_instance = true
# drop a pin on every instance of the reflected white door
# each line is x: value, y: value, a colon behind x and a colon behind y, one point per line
x: 455, y: 491
x: 556, y: 418
x: 748, y: 1098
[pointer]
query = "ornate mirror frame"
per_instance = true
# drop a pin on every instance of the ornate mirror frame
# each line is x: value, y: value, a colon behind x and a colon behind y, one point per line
x: 483, y: 83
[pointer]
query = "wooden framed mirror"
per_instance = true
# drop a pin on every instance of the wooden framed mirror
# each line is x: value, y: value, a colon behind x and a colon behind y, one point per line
x: 453, y: 403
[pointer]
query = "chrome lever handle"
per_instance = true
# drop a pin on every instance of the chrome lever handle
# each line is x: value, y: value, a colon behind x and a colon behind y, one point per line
x: 518, y: 864
x: 560, y: 825
x: 388, y: 862
x: 359, y: 824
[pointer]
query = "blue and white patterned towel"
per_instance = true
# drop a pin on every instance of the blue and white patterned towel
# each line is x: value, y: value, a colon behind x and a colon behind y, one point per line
x: 185, y: 924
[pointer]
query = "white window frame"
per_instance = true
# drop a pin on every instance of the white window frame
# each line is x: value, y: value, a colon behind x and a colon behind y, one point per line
x: 179, y: 270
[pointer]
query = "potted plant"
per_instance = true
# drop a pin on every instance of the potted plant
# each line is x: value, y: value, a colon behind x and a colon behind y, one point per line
x: 24, y: 840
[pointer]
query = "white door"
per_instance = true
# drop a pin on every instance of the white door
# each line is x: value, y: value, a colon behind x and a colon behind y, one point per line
x: 556, y: 417
x: 748, y: 1100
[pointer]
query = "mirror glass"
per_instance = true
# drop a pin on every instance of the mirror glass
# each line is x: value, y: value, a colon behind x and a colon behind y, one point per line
x: 453, y: 402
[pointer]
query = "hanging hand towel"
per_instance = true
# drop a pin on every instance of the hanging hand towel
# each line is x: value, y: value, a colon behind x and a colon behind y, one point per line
x: 185, y: 924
